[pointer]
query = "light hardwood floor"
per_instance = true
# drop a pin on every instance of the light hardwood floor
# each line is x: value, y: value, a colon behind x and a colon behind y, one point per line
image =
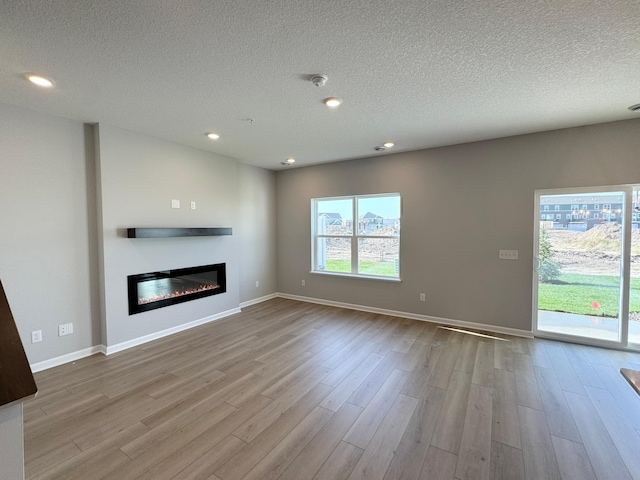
x: 289, y: 390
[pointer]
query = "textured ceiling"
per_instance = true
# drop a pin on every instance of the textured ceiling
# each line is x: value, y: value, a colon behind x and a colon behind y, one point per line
x: 419, y: 73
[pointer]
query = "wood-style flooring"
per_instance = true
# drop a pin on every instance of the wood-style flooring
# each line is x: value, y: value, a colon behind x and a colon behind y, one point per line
x: 291, y: 390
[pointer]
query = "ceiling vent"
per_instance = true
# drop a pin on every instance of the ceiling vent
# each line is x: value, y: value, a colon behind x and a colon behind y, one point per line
x: 635, y: 108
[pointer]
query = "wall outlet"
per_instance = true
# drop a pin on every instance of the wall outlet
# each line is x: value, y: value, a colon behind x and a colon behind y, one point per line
x: 193, y: 205
x: 257, y: 283
x: 303, y: 283
x: 175, y: 203
x: 423, y: 297
x: 508, y: 254
x: 65, y: 329
x: 36, y: 336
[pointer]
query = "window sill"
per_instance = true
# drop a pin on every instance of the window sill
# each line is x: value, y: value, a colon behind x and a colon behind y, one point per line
x: 351, y: 275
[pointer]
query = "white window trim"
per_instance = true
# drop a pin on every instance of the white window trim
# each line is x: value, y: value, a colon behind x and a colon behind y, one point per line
x: 355, y: 237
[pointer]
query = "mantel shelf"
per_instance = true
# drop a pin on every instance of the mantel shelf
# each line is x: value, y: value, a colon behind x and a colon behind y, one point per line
x: 177, y: 232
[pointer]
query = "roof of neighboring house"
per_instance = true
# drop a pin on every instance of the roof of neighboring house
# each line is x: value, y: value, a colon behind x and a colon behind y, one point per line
x: 333, y: 216
x: 370, y: 215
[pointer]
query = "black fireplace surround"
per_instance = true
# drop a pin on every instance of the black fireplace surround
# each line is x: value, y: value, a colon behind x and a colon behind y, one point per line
x: 149, y: 291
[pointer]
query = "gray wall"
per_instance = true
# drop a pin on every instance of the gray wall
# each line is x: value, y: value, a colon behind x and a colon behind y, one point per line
x: 62, y: 231
x: 46, y: 194
x: 461, y: 204
x: 139, y: 176
x: 257, y: 232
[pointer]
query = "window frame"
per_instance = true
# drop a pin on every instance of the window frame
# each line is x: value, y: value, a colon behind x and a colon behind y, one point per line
x: 354, y: 237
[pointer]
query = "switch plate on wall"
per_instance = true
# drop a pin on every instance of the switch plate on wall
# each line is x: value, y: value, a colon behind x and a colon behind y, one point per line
x: 508, y: 254
x: 175, y: 203
x: 65, y: 329
x: 36, y: 336
x: 193, y: 205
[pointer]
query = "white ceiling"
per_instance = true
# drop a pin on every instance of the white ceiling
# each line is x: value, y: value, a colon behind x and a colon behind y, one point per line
x: 420, y: 73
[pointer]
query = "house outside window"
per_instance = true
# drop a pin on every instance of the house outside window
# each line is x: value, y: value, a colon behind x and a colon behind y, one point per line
x: 556, y: 207
x: 356, y: 235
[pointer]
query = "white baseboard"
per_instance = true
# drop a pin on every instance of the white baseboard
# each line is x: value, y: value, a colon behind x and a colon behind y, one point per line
x: 69, y: 357
x: 169, y: 331
x: 414, y: 316
x: 258, y: 300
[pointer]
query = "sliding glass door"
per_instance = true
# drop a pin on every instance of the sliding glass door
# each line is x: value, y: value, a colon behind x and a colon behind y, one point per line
x: 587, y: 266
x: 634, y: 291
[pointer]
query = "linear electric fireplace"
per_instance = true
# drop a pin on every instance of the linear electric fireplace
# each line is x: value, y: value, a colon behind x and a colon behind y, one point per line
x: 149, y: 291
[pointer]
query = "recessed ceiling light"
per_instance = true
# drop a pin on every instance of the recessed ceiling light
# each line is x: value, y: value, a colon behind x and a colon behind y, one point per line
x: 291, y: 160
x: 39, y: 81
x: 332, y: 102
x: 388, y: 144
x: 635, y: 108
x: 213, y: 136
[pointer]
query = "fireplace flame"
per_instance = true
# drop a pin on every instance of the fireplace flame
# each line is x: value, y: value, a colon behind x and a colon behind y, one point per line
x: 180, y: 293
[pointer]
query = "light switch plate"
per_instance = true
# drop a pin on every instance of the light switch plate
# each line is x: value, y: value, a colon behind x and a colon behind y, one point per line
x: 508, y: 254
x: 175, y: 203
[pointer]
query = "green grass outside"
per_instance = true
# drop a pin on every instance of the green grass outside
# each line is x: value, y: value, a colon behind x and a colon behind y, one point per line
x: 367, y: 267
x: 578, y: 293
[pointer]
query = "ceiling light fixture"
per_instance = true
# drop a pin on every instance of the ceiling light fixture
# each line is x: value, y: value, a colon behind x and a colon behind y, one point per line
x: 388, y: 144
x: 379, y: 148
x: 213, y: 136
x: 290, y: 160
x: 635, y: 108
x: 39, y: 80
x: 333, y: 102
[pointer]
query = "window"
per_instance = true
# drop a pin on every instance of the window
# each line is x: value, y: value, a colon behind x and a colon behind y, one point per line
x: 596, y: 216
x: 545, y: 208
x: 585, y: 207
x: 356, y: 235
x: 596, y: 206
x: 567, y: 216
x: 574, y: 207
x: 556, y: 207
x: 558, y: 216
x: 606, y: 206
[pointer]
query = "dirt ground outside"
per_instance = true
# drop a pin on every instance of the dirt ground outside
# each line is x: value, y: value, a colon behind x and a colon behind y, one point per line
x: 594, y: 252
